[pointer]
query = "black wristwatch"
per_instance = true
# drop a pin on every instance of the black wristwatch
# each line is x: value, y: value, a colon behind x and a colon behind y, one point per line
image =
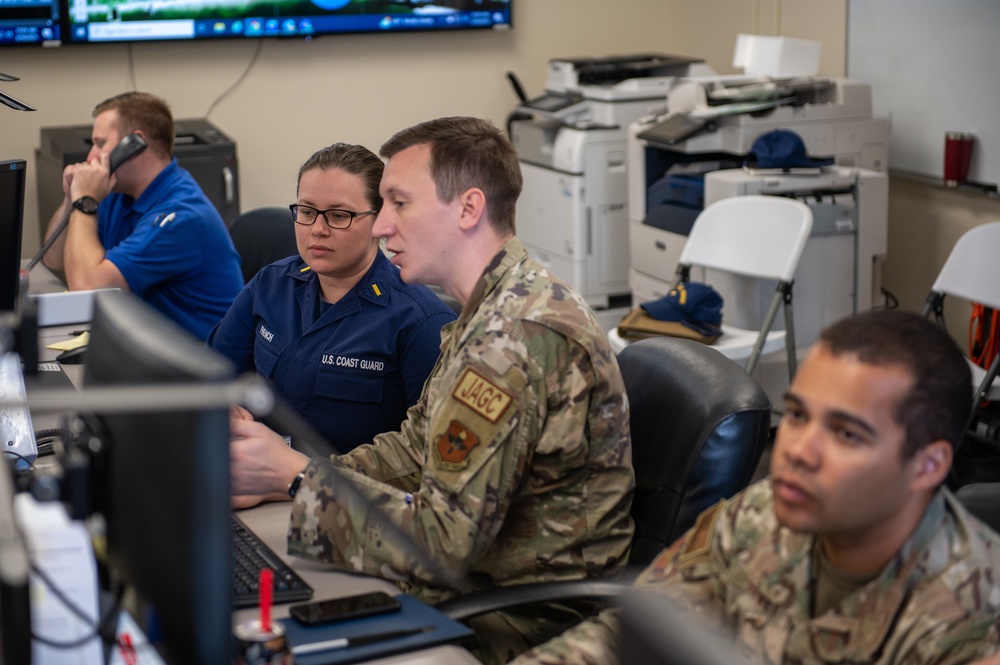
x: 86, y: 204
x: 293, y: 487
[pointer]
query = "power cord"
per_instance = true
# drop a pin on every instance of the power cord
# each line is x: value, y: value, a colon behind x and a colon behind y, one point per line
x: 45, y: 440
x: 63, y: 223
x: 225, y: 93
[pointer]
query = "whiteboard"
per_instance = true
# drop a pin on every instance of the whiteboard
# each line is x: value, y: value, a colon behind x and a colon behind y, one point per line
x: 934, y: 67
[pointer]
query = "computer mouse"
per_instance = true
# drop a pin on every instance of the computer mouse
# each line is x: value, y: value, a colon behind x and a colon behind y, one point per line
x: 73, y: 356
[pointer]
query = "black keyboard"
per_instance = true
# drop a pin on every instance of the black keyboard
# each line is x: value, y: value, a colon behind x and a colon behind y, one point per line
x: 250, y: 555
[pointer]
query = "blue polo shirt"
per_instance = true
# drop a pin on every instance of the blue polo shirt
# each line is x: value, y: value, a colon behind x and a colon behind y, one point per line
x: 352, y: 368
x: 173, y: 249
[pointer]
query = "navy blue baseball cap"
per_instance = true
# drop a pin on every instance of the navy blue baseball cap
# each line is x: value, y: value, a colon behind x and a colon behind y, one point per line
x: 782, y: 149
x: 693, y: 304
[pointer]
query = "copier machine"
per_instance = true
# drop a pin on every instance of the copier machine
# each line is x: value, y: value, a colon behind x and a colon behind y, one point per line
x: 838, y: 273
x: 670, y: 181
x: 667, y: 181
x: 571, y: 142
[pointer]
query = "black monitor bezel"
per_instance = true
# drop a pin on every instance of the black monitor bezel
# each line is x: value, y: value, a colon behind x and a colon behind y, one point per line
x: 11, y: 239
x: 163, y: 478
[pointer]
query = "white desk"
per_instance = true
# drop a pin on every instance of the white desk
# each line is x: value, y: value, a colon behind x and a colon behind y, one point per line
x: 270, y: 523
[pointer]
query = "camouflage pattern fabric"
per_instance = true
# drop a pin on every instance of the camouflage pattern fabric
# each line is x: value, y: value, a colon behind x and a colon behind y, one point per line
x: 936, y: 602
x: 513, y: 467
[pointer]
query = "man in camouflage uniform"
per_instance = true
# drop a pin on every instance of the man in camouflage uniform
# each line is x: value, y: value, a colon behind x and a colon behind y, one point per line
x: 515, y: 464
x: 853, y: 551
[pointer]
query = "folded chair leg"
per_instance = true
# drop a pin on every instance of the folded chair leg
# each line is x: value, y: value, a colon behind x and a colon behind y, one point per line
x: 772, y: 313
x: 793, y: 359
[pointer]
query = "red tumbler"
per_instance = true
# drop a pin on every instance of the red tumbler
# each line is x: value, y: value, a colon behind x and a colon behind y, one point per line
x: 957, y: 157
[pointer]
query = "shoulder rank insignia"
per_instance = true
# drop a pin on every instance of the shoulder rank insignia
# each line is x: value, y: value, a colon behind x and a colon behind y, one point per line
x: 455, y: 444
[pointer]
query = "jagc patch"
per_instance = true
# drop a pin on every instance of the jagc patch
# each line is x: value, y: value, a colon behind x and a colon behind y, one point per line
x: 455, y: 444
x: 482, y: 396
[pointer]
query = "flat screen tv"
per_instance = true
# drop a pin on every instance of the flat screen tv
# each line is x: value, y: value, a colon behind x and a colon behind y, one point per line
x: 157, y: 20
x: 29, y: 22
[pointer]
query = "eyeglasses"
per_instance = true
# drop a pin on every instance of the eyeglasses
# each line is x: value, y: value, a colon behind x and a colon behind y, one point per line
x: 334, y: 218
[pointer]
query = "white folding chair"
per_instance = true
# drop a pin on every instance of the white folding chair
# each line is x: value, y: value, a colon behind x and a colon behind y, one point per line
x: 761, y: 237
x: 972, y: 272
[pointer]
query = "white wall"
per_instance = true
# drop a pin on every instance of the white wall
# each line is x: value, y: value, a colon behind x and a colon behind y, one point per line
x: 300, y: 96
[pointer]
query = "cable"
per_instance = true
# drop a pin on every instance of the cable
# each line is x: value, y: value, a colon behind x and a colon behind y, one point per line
x: 131, y: 66
x: 225, y: 93
x: 891, y: 301
x: 63, y: 223
x: 984, y: 336
x: 17, y: 457
x: 96, y: 629
x: 50, y: 433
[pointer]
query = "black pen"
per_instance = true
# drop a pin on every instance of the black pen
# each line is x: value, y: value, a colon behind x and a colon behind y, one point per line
x: 360, y: 640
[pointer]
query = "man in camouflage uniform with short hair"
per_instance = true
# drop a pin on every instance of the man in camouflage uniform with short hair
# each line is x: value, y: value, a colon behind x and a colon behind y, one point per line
x: 515, y: 464
x: 853, y: 551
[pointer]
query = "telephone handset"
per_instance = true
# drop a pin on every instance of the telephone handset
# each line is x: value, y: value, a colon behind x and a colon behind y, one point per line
x: 130, y: 146
x: 127, y: 148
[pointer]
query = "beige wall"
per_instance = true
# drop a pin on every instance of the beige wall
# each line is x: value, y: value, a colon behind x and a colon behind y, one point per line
x: 300, y: 95
x: 925, y: 221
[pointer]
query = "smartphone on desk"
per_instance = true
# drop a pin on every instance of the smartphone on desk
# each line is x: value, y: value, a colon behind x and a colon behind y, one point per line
x: 342, y: 609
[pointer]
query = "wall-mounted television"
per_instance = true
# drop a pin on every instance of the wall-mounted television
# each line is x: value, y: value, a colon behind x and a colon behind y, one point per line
x: 29, y: 22
x: 90, y: 21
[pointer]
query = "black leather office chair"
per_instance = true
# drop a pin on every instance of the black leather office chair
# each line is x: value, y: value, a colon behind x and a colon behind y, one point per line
x: 263, y: 236
x: 983, y: 501
x: 699, y: 426
x: 446, y: 299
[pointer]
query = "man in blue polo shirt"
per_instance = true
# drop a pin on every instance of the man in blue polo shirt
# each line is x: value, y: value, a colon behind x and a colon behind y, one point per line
x: 147, y: 228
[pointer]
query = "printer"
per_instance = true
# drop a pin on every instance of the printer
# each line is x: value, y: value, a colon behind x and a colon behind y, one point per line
x: 668, y: 176
x: 839, y: 272
x: 572, y: 214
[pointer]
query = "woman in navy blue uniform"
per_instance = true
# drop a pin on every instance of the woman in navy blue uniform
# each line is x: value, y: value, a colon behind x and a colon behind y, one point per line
x: 335, y: 329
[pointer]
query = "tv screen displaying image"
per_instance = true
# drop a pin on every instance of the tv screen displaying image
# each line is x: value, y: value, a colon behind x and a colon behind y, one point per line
x: 29, y: 22
x: 153, y: 20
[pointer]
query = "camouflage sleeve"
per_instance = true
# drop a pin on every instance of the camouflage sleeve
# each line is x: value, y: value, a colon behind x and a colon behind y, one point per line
x: 592, y: 642
x: 686, y: 570
x: 691, y: 568
x: 480, y: 432
x: 395, y: 458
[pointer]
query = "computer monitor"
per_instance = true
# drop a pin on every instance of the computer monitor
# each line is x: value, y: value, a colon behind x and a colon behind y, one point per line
x: 15, y: 609
x: 12, y: 185
x: 29, y: 22
x: 163, y: 478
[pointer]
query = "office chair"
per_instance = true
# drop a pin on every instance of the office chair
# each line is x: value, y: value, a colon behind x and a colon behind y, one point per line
x: 446, y: 299
x: 761, y: 237
x: 983, y: 501
x: 699, y: 425
x: 263, y: 236
x: 972, y: 272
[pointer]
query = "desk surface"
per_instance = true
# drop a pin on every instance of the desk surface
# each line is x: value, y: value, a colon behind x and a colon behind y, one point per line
x: 269, y: 521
